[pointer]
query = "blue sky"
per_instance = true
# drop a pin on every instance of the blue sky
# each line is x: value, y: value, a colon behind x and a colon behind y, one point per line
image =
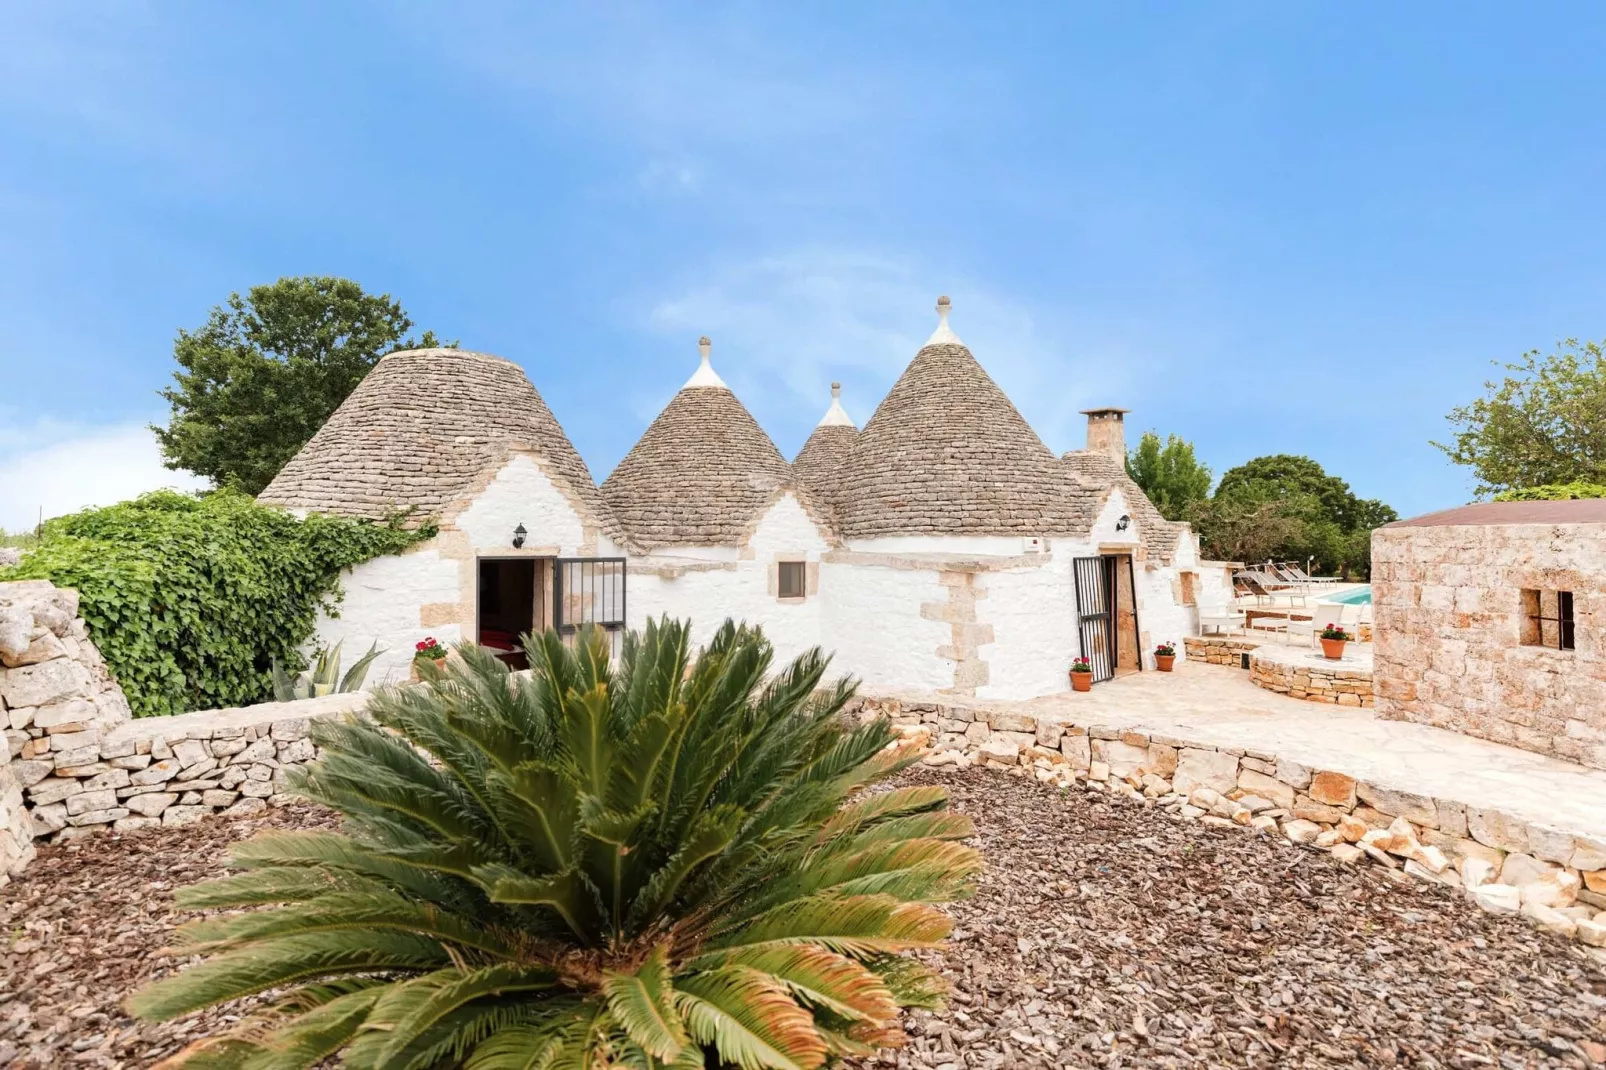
x: 1267, y: 227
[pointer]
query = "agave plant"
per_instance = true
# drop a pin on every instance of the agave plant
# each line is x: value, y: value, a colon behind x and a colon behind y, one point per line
x: 663, y: 862
x: 324, y: 677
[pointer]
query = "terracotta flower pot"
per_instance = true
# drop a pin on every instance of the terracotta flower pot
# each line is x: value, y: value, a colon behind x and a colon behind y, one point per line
x: 1081, y: 681
x: 1163, y: 662
x: 1333, y: 649
x: 440, y: 663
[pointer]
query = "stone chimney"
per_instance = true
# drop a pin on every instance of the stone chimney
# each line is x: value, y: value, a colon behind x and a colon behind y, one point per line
x: 1106, y: 432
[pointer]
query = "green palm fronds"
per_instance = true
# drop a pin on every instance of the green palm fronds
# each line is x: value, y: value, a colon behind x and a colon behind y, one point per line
x: 661, y: 862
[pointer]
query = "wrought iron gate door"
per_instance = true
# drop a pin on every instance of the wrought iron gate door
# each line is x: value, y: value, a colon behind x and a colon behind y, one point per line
x: 1095, y: 613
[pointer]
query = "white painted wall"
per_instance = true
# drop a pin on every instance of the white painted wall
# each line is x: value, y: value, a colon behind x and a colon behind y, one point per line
x: 707, y: 596
x: 384, y: 596
x: 976, y: 545
x: 1033, y: 614
x: 381, y: 604
x: 872, y: 624
x: 521, y: 493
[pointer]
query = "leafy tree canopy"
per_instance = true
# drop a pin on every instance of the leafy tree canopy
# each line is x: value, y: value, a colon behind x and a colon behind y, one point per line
x: 267, y: 369
x: 1287, y: 507
x: 191, y: 599
x: 1544, y: 424
x: 668, y: 863
x: 1553, y: 492
x: 1169, y: 474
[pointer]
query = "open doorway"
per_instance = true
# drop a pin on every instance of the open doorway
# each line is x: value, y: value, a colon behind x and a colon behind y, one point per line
x: 1107, y: 614
x: 512, y: 603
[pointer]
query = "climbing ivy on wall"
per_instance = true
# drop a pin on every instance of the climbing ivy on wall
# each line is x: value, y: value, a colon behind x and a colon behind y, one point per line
x: 190, y: 598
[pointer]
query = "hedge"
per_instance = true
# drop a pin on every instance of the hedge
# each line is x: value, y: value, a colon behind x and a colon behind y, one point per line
x: 190, y: 598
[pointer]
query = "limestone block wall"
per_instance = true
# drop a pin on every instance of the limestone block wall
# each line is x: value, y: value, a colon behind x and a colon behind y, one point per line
x: 1448, y: 648
x: 177, y: 770
x: 56, y: 697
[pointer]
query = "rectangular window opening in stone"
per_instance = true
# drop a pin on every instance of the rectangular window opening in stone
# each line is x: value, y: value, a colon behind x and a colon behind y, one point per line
x: 1547, y: 619
x: 792, y: 581
x: 1188, y: 581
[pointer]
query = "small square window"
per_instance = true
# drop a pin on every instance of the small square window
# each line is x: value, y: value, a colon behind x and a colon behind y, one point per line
x: 792, y: 581
x: 1547, y: 619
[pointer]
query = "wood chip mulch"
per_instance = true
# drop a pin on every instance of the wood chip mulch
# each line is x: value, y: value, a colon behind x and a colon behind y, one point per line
x: 1103, y: 934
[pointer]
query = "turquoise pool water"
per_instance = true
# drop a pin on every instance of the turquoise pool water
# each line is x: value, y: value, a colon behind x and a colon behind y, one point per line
x: 1355, y: 596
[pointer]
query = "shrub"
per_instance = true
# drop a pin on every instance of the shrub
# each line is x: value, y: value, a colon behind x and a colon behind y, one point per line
x: 1553, y: 492
x: 662, y: 864
x: 190, y: 599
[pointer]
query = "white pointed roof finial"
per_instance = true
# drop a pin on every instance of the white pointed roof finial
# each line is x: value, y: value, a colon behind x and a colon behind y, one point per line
x: 943, y: 334
x: 705, y: 374
x: 836, y: 415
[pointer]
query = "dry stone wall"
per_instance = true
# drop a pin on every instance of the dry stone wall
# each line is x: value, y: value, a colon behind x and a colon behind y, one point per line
x: 1556, y: 878
x: 56, y: 699
x: 1449, y: 649
x: 76, y: 761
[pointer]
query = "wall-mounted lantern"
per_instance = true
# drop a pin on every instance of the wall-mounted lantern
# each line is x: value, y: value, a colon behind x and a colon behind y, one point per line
x: 518, y: 536
x: 1120, y: 525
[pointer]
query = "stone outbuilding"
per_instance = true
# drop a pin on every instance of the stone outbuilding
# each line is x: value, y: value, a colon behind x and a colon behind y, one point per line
x: 942, y: 548
x: 1491, y: 620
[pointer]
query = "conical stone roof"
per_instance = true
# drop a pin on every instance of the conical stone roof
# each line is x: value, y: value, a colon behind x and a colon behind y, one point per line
x: 818, y: 466
x: 946, y: 453
x: 702, y: 472
x: 1101, y: 471
x: 422, y: 430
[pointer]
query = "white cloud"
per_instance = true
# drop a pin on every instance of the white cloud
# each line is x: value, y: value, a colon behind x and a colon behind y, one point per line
x: 785, y: 326
x: 60, y: 469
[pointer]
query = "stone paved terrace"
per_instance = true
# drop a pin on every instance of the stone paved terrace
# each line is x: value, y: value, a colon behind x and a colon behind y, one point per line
x: 1219, y: 707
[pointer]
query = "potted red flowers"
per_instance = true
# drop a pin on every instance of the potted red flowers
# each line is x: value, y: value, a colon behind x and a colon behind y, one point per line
x: 1333, y: 640
x: 1165, y: 656
x: 1081, y: 675
x: 429, y: 649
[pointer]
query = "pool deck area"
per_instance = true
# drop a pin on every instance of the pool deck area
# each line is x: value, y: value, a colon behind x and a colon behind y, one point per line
x: 1219, y: 707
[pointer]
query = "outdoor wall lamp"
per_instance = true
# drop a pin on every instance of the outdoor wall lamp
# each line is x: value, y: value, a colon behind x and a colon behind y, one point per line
x: 518, y: 536
x: 1120, y: 525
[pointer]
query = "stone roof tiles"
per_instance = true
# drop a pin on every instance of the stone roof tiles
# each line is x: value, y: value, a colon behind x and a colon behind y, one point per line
x: 1100, y: 470
x: 701, y: 473
x: 947, y: 453
x: 420, y: 432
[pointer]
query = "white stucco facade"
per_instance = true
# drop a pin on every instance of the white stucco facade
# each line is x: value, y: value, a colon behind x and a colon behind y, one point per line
x: 432, y: 589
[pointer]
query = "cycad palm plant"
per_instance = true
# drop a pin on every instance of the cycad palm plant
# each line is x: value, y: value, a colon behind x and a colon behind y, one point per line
x: 654, y: 863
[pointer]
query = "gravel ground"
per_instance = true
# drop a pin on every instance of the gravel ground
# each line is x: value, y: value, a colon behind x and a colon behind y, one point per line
x: 1103, y: 934
x: 84, y: 926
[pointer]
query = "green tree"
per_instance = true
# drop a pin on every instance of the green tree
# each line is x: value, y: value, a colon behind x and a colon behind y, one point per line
x: 1545, y: 423
x: 267, y: 369
x: 1170, y: 474
x: 1286, y: 507
x: 1553, y: 492
x: 668, y: 863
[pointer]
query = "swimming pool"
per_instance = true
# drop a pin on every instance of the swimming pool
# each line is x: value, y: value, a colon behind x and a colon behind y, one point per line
x: 1355, y: 596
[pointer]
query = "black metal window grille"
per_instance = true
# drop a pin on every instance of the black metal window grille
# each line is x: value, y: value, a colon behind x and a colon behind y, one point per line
x: 1548, y: 619
x: 793, y: 579
x: 588, y: 590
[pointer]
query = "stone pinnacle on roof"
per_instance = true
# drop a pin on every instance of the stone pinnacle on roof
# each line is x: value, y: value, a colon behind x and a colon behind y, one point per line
x: 944, y: 334
x: 946, y: 453
x: 705, y: 374
x: 836, y: 415
x: 819, y: 462
x: 701, y: 473
x: 420, y: 431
